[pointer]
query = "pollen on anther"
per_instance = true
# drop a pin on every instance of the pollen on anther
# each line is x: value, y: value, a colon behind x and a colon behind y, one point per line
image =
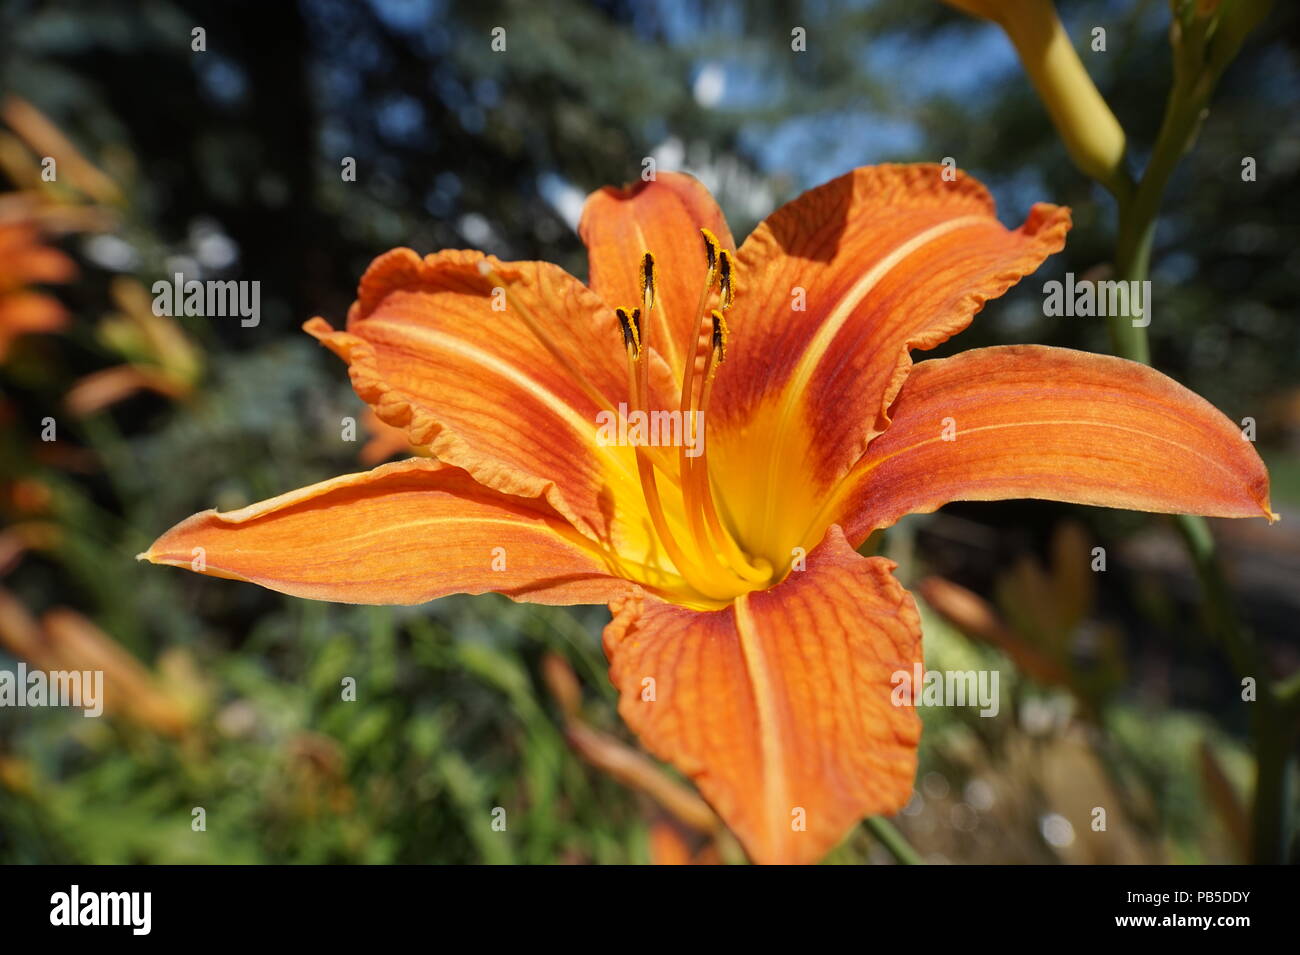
x: 631, y: 325
x: 720, y: 334
x: 725, y: 284
x: 711, y: 247
x: 648, y: 279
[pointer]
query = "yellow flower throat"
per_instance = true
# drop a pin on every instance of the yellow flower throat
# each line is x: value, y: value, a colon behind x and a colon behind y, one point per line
x: 707, y: 556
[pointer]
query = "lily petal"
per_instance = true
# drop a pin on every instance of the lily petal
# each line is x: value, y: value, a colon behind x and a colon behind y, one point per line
x: 1052, y: 423
x: 834, y: 289
x: 663, y: 216
x: 403, y: 533
x: 779, y: 707
x: 473, y: 383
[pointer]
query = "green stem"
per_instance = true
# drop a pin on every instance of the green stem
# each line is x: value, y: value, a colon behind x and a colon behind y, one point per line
x: 893, y: 840
x: 1139, y: 207
x: 1273, y: 723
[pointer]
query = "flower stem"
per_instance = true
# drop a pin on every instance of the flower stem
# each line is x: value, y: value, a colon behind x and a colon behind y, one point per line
x: 894, y: 841
x: 1274, y: 723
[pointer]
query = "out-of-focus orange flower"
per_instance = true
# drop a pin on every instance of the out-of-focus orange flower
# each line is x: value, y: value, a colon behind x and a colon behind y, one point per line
x: 683, y: 830
x: 160, y: 358
x: 670, y: 844
x: 752, y: 646
x: 65, y: 640
x: 618, y: 760
x: 42, y: 205
x: 100, y: 389
x: 24, y: 505
x: 25, y: 261
x: 1040, y: 625
x: 974, y: 616
x: 26, y: 497
x: 43, y: 138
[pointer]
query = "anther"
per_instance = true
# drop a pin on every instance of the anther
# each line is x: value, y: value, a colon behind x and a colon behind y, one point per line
x: 711, y: 248
x: 631, y: 325
x: 720, y: 334
x: 648, y: 280
x: 701, y: 511
x: 725, y: 285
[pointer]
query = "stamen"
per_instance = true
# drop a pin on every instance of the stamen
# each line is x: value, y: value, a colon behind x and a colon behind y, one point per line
x: 637, y: 386
x: 720, y: 335
x: 707, y: 532
x: 648, y: 281
x: 684, y: 404
x: 711, y: 247
x: 758, y: 571
x: 716, y: 567
x: 630, y: 324
x: 572, y: 370
x: 725, y: 279
x: 685, y: 407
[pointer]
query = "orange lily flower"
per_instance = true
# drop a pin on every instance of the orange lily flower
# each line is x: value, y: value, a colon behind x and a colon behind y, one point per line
x: 752, y: 645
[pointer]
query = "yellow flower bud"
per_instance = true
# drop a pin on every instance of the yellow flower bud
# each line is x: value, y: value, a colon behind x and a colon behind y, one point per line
x: 1090, y: 131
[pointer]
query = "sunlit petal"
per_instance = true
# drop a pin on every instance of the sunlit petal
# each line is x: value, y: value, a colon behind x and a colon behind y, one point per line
x: 834, y: 289
x: 1038, y: 422
x: 453, y: 358
x: 663, y: 216
x: 403, y: 533
x: 779, y: 707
